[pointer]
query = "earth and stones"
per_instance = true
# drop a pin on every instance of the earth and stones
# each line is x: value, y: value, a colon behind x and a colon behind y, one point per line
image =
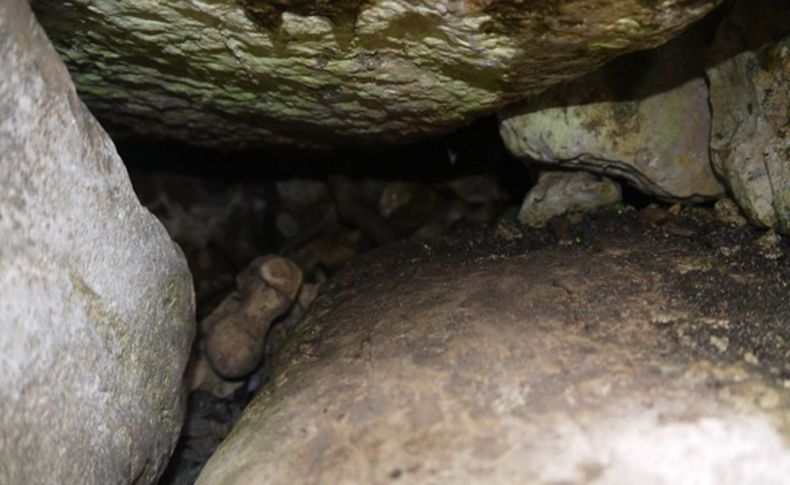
x: 387, y: 314
x: 706, y: 111
x: 637, y: 355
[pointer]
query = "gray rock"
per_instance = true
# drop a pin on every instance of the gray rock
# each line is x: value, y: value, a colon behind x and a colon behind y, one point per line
x: 654, y: 132
x: 469, y: 364
x: 229, y: 73
x: 750, y: 100
x: 557, y: 193
x: 96, y: 305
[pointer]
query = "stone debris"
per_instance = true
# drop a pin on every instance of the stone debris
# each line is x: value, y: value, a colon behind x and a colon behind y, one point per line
x: 727, y: 211
x: 558, y: 193
x: 769, y: 245
x: 235, y: 332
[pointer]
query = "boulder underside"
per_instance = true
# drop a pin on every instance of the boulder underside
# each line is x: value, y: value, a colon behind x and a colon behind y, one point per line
x: 231, y: 73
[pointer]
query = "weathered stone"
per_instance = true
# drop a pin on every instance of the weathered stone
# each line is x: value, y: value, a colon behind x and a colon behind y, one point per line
x: 470, y: 364
x: 96, y: 306
x: 244, y: 72
x: 750, y: 100
x: 653, y: 130
x: 557, y: 193
x: 728, y: 211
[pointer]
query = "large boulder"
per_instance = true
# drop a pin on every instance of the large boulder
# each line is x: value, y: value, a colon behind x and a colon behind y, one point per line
x: 96, y: 303
x: 750, y: 99
x: 645, y: 119
x: 231, y: 73
x: 634, y: 358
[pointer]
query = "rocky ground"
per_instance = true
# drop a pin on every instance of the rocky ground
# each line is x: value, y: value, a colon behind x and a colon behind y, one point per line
x: 624, y: 346
x: 321, y: 220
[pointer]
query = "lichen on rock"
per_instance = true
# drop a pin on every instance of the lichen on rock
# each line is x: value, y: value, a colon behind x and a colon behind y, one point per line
x: 232, y: 73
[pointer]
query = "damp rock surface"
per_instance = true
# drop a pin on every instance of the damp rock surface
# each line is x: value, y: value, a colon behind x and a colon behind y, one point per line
x: 96, y: 302
x: 642, y: 353
x: 228, y: 73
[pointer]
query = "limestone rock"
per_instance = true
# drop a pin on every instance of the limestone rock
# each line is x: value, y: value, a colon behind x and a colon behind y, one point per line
x: 476, y: 365
x: 727, y: 211
x: 230, y: 73
x: 750, y: 140
x: 557, y: 193
x: 654, y: 132
x: 96, y: 306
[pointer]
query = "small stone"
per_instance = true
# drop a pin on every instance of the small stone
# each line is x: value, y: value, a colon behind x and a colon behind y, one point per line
x: 721, y: 343
x: 676, y: 230
x: 235, y: 335
x: 654, y: 214
x: 769, y: 399
x: 730, y: 251
x: 768, y: 245
x: 561, y: 228
x: 396, y: 195
x: 302, y: 192
x: 477, y: 189
x: 558, y: 193
x: 750, y: 358
x: 508, y: 231
x: 727, y: 211
x: 287, y: 225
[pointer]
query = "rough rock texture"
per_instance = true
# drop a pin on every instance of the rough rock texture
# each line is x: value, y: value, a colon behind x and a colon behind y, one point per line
x: 239, y: 72
x: 557, y: 193
x: 620, y: 361
x: 750, y: 99
x: 96, y: 304
x: 651, y: 128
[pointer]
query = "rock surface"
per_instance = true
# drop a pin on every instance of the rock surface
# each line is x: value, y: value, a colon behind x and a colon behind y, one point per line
x: 634, y: 357
x: 557, y: 193
x: 243, y: 72
x: 653, y: 132
x: 96, y: 304
x: 750, y: 139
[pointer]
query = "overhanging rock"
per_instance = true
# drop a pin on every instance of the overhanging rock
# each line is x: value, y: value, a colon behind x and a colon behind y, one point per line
x: 230, y: 73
